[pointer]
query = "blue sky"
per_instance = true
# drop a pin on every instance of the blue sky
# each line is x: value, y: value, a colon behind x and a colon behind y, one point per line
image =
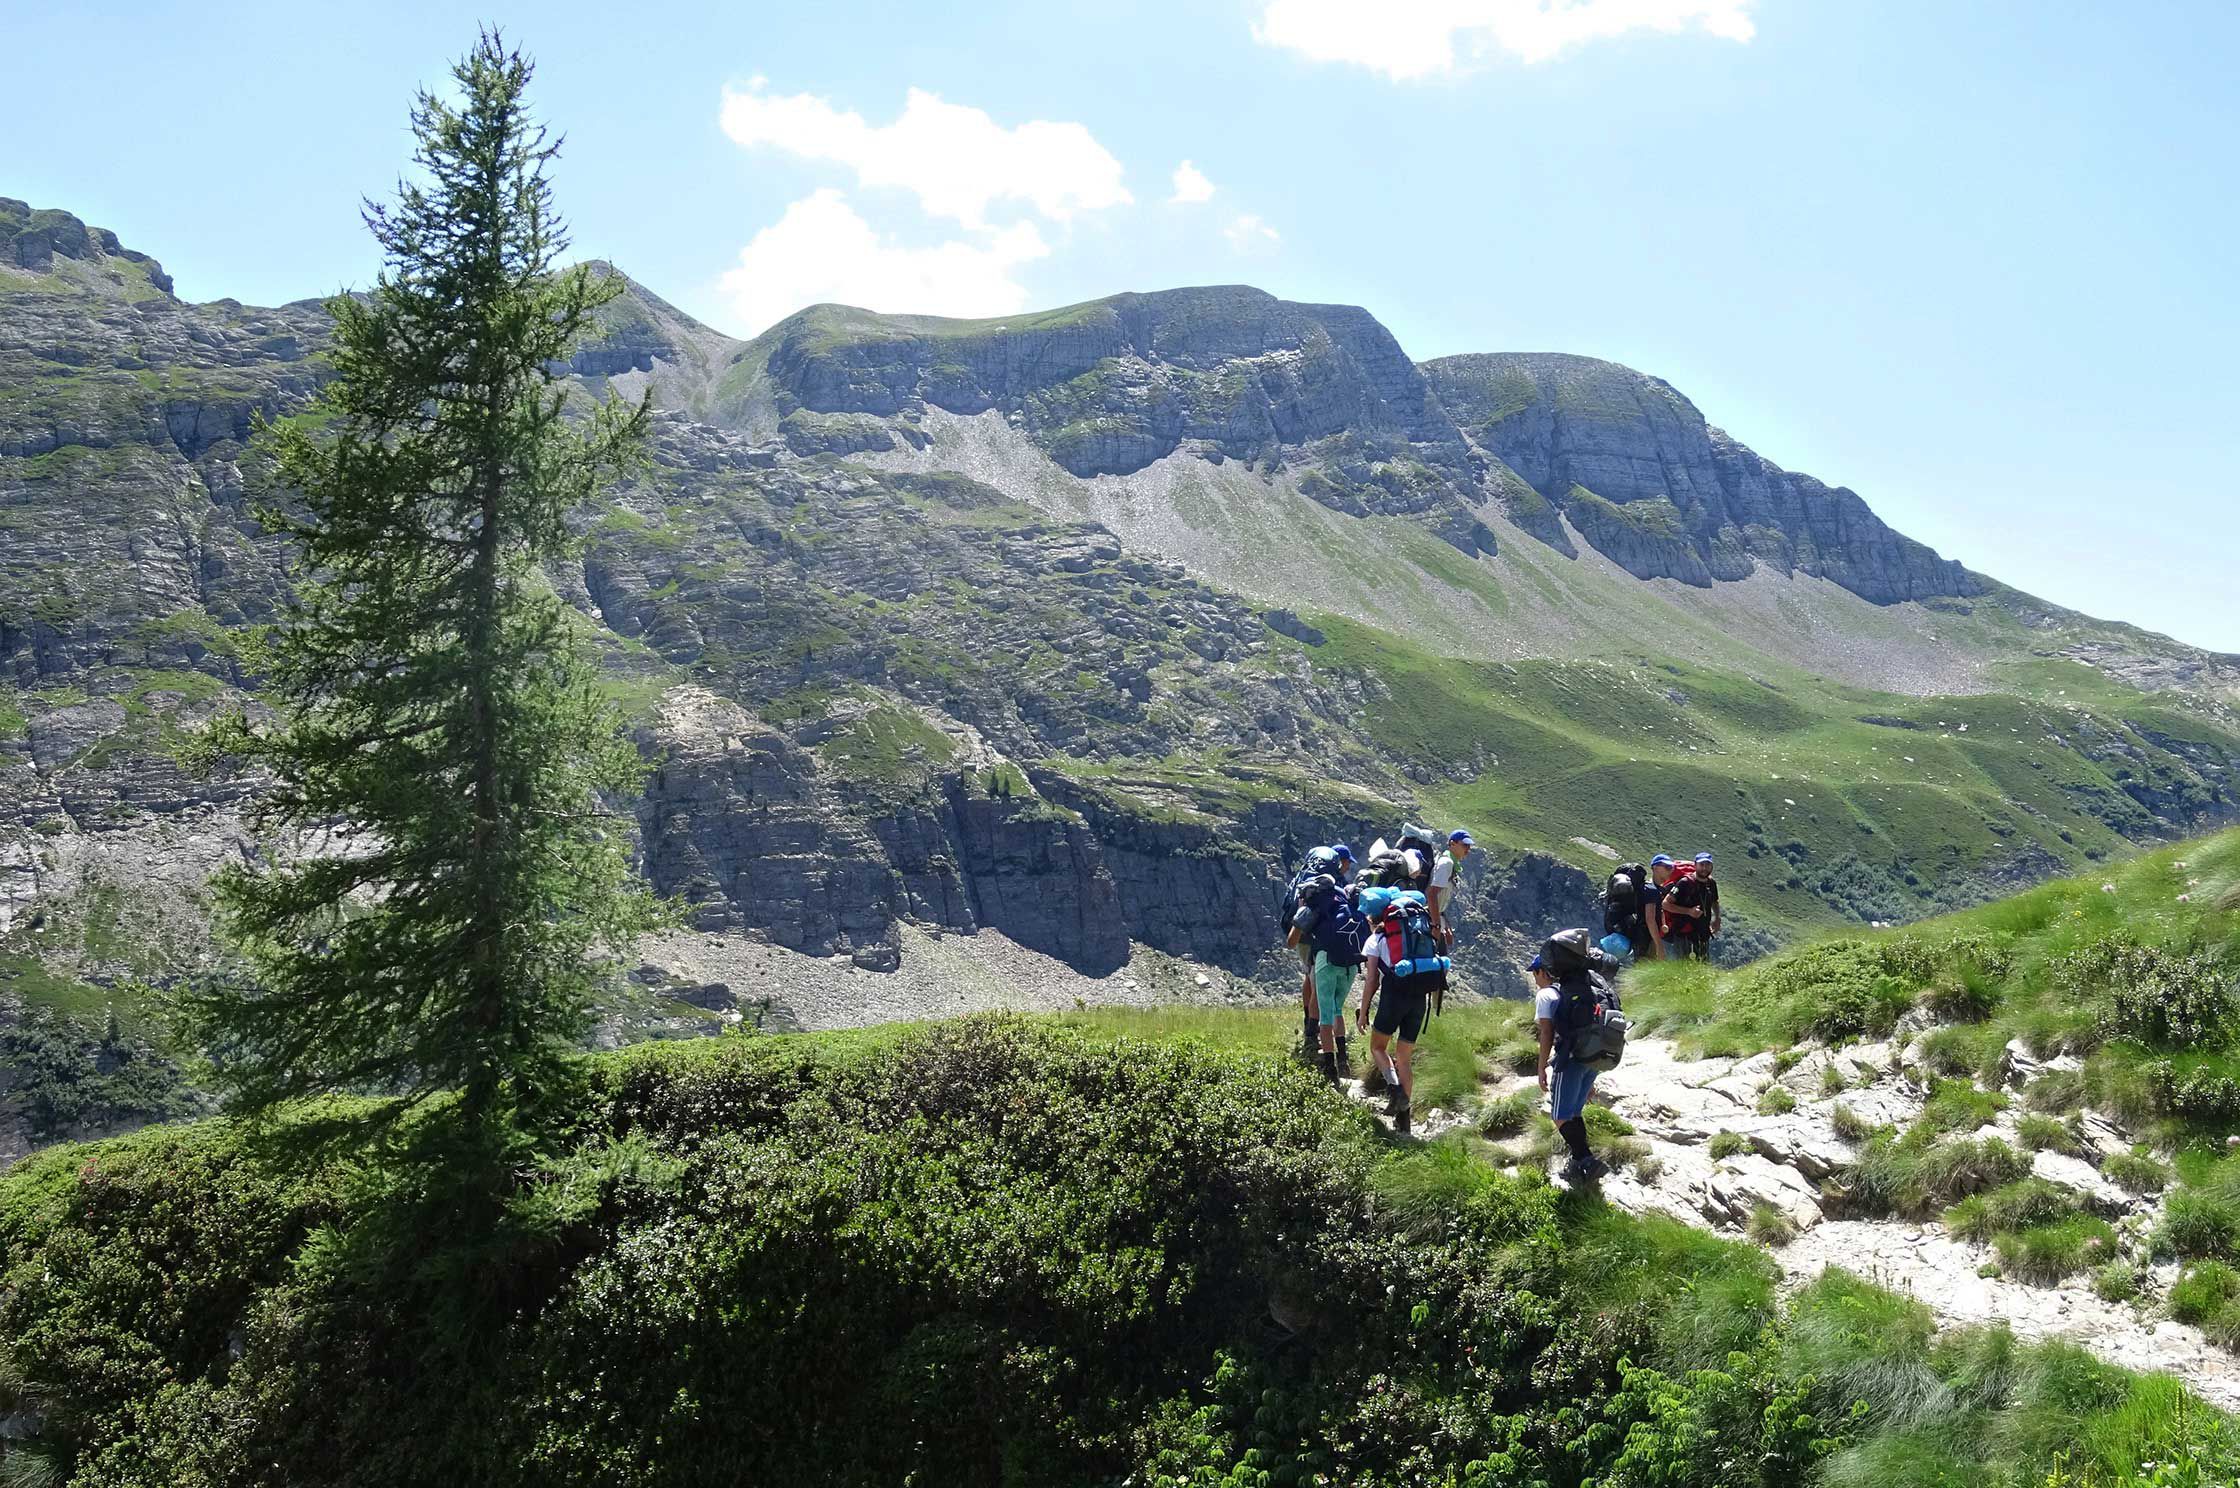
x: 1971, y: 259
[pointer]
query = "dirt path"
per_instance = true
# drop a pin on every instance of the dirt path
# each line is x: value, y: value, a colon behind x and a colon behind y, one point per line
x: 1678, y: 1105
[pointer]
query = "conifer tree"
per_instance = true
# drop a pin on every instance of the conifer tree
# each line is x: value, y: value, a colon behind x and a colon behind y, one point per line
x: 447, y: 872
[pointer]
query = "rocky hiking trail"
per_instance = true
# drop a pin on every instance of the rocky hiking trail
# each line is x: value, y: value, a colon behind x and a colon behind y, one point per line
x: 1795, y: 1162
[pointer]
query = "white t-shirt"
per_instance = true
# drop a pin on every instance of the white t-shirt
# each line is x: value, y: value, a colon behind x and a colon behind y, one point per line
x: 1377, y: 948
x: 1442, y: 879
x: 1545, y: 1002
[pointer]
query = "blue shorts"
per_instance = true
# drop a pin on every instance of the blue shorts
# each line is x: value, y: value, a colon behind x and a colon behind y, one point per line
x: 1568, y: 1089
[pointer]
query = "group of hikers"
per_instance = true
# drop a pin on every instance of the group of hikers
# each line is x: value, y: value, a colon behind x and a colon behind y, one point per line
x: 1390, y: 920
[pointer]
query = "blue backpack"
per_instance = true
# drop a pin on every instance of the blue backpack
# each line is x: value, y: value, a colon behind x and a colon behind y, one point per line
x: 1340, y: 927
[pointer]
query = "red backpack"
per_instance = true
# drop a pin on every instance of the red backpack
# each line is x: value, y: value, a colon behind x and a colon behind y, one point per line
x: 1683, y: 891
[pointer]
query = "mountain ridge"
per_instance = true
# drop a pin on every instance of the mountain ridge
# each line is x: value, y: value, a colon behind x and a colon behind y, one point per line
x: 940, y: 712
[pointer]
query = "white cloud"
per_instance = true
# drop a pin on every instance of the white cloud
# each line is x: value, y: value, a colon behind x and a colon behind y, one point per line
x: 1410, y: 39
x: 957, y: 160
x: 1246, y: 232
x: 822, y: 250
x: 1190, y: 184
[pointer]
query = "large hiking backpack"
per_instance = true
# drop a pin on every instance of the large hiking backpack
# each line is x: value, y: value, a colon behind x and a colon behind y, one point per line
x: 1621, y: 899
x: 1321, y: 863
x: 1593, y: 1026
x: 1416, y: 965
x: 1340, y: 927
x: 1684, y: 891
x: 1422, y: 853
x: 1568, y: 952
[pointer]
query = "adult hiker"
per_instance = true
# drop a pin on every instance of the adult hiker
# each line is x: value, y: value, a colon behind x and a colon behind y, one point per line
x: 1328, y: 927
x: 1623, y: 894
x: 1445, y: 879
x: 1318, y: 875
x: 1652, y: 907
x: 1575, y: 985
x: 1405, y: 968
x: 1333, y: 927
x: 1710, y: 924
x: 1686, y: 928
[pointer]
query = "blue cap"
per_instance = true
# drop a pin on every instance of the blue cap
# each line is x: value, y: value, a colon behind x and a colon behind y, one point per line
x: 1458, y: 835
x: 1345, y: 853
x: 1533, y: 965
x: 1661, y: 860
x: 1704, y: 858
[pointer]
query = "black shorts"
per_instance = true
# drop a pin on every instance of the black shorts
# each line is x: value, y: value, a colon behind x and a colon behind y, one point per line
x: 1401, y: 1011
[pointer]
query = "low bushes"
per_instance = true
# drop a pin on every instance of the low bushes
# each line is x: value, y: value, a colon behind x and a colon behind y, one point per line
x: 2017, y: 1206
x: 1918, y: 1173
x: 2048, y: 1253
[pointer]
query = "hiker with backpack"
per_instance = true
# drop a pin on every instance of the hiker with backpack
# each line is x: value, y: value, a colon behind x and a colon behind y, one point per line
x: 1686, y: 929
x: 1624, y: 893
x: 1582, y: 1032
x: 1446, y: 876
x: 1329, y: 929
x: 1709, y: 923
x: 1652, y: 907
x: 1406, y: 970
x: 1321, y: 874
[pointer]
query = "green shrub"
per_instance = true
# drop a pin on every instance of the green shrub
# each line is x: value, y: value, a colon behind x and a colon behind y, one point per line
x: 2202, y: 1289
x: 1604, y: 1123
x: 2136, y: 1172
x: 2048, y: 1253
x: 1728, y: 1144
x: 2150, y: 995
x: 1775, y: 1100
x: 1832, y: 1083
x: 2040, y: 1133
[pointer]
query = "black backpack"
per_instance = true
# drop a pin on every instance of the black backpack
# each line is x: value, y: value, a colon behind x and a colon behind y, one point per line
x: 1320, y: 861
x: 1589, y: 1020
x: 1419, y: 843
x: 1621, y: 898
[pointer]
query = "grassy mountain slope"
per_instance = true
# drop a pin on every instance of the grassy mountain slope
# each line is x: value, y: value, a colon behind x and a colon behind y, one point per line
x: 987, y: 1252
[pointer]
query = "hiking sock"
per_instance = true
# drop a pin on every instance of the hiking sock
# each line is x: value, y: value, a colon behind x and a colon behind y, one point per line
x: 1574, y: 1133
x: 1314, y: 1033
x: 1330, y: 1067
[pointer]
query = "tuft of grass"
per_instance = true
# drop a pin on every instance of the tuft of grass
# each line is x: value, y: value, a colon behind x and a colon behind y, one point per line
x: 1728, y: 1144
x: 1849, y: 1124
x: 1769, y: 1226
x: 1775, y: 1100
x: 1832, y: 1083
x: 1916, y: 1174
x: 2118, y: 1281
x: 2203, y: 1289
x: 1509, y: 1115
x: 2048, y: 1253
x: 2042, y: 1133
x: 1958, y: 1105
x: 2020, y: 1205
x: 2136, y: 1172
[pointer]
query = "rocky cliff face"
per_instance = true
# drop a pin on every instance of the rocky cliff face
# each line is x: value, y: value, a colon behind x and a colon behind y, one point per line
x: 1649, y: 483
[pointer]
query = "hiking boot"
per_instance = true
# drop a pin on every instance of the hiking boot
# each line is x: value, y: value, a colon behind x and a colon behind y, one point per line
x: 1311, y: 1041
x: 1345, y: 1056
x: 1396, y: 1102
x: 1588, y: 1169
x: 1401, y: 1124
x: 1330, y: 1068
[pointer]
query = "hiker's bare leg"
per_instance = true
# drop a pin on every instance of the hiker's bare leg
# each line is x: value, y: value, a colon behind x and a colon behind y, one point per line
x: 1377, y: 1043
x: 1404, y: 1059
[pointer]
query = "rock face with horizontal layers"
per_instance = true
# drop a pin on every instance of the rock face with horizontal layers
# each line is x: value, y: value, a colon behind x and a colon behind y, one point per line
x: 1651, y: 485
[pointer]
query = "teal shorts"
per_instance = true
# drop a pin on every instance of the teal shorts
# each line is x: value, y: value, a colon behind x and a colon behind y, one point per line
x: 1331, y: 985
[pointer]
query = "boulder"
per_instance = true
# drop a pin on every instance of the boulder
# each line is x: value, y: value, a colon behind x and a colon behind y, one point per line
x: 1737, y: 1185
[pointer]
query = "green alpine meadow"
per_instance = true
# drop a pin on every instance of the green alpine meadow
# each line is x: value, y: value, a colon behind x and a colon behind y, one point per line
x: 1146, y: 893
